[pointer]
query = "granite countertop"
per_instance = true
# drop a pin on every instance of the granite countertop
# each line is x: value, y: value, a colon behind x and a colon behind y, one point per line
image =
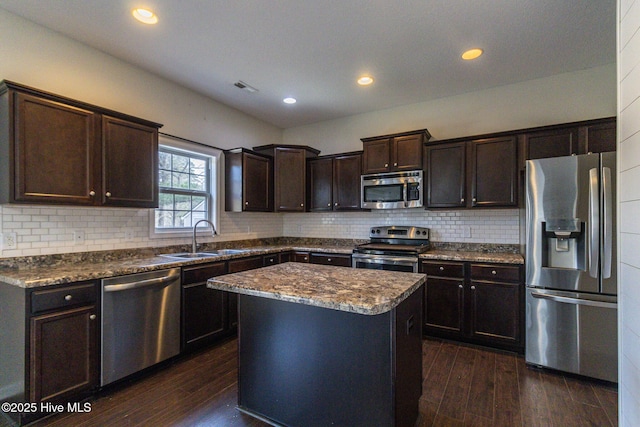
x: 76, y: 270
x: 38, y: 276
x: 473, y: 256
x: 359, y: 291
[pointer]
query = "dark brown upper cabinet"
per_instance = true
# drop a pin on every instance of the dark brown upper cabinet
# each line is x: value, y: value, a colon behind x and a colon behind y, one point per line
x: 494, y: 174
x: 445, y: 166
x: 56, y: 150
x: 457, y: 169
x: 289, y: 173
x: 248, y: 181
x: 592, y: 136
x: 129, y: 163
x: 397, y: 152
x: 334, y: 182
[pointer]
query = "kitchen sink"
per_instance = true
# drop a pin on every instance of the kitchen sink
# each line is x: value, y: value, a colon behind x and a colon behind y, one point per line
x: 192, y: 255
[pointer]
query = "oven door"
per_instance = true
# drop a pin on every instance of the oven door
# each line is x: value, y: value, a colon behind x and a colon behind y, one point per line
x: 385, y: 262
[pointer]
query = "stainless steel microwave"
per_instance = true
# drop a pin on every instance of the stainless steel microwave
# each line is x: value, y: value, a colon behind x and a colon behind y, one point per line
x: 394, y: 190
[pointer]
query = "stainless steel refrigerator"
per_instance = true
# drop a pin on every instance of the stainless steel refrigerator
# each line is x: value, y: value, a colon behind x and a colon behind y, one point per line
x: 571, y: 294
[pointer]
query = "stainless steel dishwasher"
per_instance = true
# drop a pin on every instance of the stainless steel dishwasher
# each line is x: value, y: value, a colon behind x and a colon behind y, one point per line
x: 140, y: 322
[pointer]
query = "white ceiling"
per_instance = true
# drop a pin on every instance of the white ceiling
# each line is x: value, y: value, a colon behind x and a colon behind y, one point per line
x: 314, y: 50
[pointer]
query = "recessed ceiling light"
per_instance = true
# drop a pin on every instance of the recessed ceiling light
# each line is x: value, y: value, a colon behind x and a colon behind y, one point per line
x: 472, y: 54
x: 289, y: 100
x: 145, y: 16
x: 365, y: 80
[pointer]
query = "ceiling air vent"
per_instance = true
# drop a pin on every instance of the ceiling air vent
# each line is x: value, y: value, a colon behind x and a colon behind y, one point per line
x: 242, y: 85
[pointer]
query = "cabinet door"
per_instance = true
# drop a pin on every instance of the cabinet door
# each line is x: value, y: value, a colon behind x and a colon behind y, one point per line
x: 130, y: 164
x: 55, y: 152
x: 375, y: 157
x: 320, y: 184
x: 204, y: 310
x: 346, y: 182
x: 446, y: 175
x: 495, y: 311
x: 598, y: 138
x: 443, y: 307
x: 494, y: 172
x: 204, y: 314
x: 554, y: 143
x: 63, y: 354
x: 300, y: 257
x: 257, y: 184
x: 289, y: 179
x: 407, y: 152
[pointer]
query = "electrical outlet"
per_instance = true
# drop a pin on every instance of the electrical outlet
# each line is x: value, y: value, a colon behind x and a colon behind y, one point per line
x: 248, y: 229
x: 467, y: 232
x: 9, y: 241
x: 78, y: 237
x: 128, y: 235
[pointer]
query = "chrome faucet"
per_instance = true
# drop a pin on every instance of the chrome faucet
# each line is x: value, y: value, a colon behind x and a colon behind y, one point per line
x: 194, y: 247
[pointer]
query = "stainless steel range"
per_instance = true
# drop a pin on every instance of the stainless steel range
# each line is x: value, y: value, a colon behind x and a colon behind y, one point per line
x: 394, y: 248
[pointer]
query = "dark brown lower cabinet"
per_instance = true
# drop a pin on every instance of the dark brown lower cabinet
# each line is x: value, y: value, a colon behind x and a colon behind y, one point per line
x: 473, y: 302
x: 204, y: 310
x: 62, y: 348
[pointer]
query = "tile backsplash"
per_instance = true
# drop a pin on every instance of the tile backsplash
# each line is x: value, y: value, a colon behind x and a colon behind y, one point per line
x: 44, y: 230
x: 469, y: 226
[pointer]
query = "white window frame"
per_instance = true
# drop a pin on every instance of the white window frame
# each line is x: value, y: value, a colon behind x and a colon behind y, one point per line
x: 179, y: 144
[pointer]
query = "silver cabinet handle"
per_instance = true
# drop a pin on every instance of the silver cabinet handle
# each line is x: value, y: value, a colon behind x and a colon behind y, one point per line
x: 92, y: 317
x: 108, y: 194
x: 328, y: 259
x: 335, y: 204
x: 594, y: 217
x: 246, y: 203
x: 494, y: 272
x: 461, y: 200
x: 68, y: 297
x: 460, y: 286
x: 92, y: 193
x: 386, y: 165
x: 328, y: 205
x: 473, y: 288
x: 441, y: 268
x: 395, y: 164
x: 301, y: 205
x: 473, y: 200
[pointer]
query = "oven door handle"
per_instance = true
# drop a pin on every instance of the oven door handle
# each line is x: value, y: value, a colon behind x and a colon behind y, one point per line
x: 373, y: 259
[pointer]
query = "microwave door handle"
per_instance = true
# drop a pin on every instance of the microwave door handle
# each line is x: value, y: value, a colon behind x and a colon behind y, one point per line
x: 607, y: 220
x: 594, y: 223
x: 405, y: 194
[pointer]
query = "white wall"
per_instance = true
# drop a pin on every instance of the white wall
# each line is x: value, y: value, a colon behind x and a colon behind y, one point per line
x: 562, y: 98
x: 629, y: 210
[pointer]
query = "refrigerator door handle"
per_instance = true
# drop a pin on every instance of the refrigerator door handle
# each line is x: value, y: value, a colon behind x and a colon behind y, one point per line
x: 575, y: 301
x: 594, y: 222
x: 607, y: 219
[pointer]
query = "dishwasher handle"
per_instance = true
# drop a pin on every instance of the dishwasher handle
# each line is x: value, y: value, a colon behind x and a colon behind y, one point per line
x: 141, y: 283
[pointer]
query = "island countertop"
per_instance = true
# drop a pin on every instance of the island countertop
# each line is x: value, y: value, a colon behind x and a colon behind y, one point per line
x: 348, y: 289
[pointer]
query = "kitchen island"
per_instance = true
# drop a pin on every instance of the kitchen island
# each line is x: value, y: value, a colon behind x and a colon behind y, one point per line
x: 322, y: 345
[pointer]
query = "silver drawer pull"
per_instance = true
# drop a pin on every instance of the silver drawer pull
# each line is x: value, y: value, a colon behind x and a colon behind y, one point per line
x: 473, y: 288
x: 329, y: 259
x: 493, y: 272
x: 441, y: 268
x: 92, y: 317
x: 68, y: 297
x: 460, y: 286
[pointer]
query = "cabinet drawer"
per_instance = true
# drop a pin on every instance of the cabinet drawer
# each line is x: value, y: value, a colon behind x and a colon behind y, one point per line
x: 331, y: 259
x: 244, y: 264
x: 202, y: 273
x: 52, y: 299
x: 270, y: 260
x: 300, y: 257
x: 502, y: 273
x: 443, y: 269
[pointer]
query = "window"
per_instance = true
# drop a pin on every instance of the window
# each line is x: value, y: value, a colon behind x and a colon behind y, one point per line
x: 186, y: 180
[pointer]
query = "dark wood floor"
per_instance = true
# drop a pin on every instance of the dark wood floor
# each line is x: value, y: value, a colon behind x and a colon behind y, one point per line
x: 463, y: 386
